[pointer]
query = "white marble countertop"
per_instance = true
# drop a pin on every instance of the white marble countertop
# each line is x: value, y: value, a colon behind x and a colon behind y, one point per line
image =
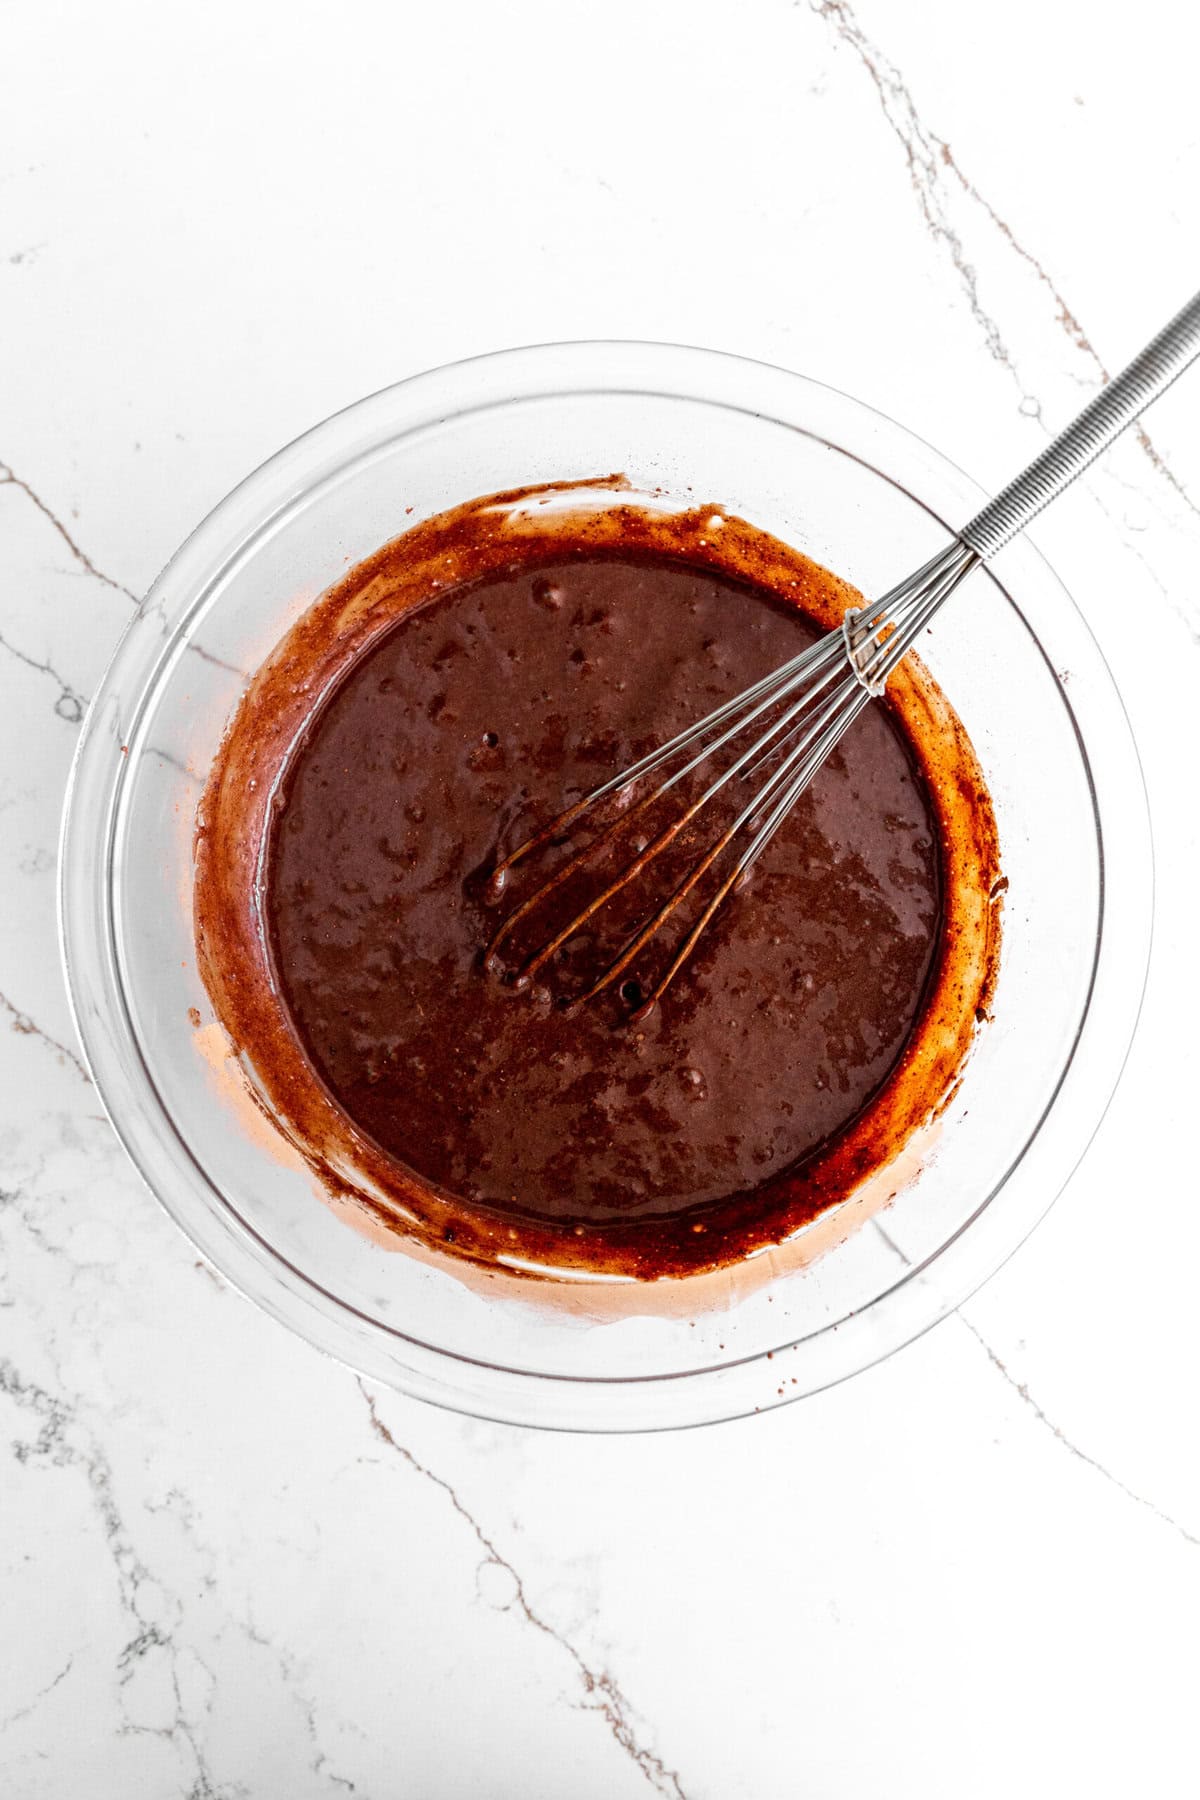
x: 230, y: 1568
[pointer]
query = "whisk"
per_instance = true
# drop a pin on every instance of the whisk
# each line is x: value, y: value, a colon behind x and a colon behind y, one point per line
x: 803, y: 709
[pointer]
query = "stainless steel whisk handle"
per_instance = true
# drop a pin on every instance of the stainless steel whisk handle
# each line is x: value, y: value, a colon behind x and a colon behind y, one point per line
x: 1117, y: 404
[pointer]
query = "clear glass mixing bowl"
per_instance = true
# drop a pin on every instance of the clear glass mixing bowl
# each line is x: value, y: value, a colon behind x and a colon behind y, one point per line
x: 1013, y: 655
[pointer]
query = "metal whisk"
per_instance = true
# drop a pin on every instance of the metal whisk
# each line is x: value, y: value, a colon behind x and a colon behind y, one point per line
x: 804, y: 708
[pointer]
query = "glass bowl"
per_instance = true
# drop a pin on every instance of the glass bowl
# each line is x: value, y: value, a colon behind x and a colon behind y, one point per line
x: 1014, y: 657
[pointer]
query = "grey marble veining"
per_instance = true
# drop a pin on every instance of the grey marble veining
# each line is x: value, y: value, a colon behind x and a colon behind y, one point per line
x: 228, y: 1567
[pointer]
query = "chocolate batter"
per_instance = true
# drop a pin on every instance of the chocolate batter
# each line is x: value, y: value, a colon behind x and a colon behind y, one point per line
x: 484, y: 713
x: 743, y: 1105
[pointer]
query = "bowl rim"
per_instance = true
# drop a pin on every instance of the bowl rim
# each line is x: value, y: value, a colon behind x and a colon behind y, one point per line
x: 926, y: 1291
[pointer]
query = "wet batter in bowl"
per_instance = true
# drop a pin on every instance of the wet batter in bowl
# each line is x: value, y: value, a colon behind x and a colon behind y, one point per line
x: 458, y: 690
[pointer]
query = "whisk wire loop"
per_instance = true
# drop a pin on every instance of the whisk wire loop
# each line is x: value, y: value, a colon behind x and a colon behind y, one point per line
x: 807, y: 705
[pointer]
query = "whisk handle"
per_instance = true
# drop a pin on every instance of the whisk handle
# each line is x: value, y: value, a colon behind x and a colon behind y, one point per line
x: 1117, y: 405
